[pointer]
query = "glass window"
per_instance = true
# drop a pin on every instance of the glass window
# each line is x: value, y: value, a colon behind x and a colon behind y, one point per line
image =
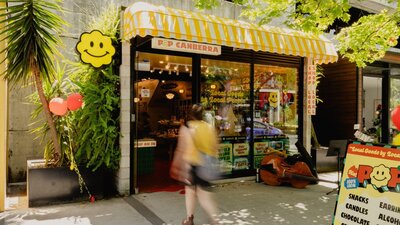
x: 225, y: 89
x: 163, y: 94
x: 275, y: 100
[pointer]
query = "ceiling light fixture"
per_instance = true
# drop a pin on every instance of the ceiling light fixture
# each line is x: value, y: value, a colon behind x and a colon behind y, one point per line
x: 170, y: 96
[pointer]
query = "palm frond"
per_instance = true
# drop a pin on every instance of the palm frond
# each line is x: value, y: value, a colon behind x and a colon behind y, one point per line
x: 31, y: 30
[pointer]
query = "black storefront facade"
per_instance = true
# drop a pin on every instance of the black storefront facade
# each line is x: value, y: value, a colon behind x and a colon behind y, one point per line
x: 256, y: 98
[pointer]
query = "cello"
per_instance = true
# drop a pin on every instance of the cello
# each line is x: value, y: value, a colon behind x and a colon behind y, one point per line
x: 275, y: 171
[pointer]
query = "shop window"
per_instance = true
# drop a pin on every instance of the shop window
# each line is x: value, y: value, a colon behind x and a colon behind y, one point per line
x: 275, y: 100
x: 225, y: 89
x: 163, y: 92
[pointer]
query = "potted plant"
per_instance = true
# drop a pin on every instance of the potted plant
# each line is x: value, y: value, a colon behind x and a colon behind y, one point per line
x: 89, y: 136
x: 77, y: 149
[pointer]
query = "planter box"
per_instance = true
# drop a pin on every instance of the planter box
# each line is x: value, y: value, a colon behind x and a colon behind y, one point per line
x: 60, y: 185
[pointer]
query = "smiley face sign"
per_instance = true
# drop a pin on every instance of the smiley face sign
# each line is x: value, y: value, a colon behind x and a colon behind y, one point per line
x: 380, y: 176
x: 273, y: 99
x: 95, y: 48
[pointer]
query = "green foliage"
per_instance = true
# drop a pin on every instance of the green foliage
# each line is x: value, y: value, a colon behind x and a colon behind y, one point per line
x: 31, y: 30
x: 65, y: 125
x: 395, y: 93
x: 367, y: 40
x: 90, y: 135
x: 265, y: 10
x: 208, y: 4
x: 98, y: 121
x: 318, y: 77
x: 316, y: 15
x: 363, y: 42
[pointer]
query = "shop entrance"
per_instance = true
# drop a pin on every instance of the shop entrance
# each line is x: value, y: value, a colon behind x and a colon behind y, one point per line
x: 372, y: 106
x: 163, y: 97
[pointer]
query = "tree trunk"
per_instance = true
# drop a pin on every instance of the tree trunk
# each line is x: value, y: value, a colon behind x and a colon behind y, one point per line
x: 46, y: 110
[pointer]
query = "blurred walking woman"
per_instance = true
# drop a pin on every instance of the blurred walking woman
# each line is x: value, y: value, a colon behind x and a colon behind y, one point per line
x: 204, y: 140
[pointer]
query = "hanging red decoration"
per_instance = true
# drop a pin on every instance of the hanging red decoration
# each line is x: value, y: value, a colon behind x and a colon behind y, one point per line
x: 395, y: 115
x: 58, y: 106
x: 74, y: 101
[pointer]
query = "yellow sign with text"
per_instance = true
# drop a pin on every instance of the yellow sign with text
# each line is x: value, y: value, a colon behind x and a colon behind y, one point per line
x: 370, y: 187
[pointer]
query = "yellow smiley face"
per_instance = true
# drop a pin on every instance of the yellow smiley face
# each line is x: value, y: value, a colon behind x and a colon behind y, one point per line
x: 380, y: 176
x: 95, y: 48
x: 273, y: 99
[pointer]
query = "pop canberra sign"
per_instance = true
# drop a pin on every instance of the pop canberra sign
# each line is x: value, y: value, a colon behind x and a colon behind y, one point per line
x: 185, y: 46
x: 370, y: 188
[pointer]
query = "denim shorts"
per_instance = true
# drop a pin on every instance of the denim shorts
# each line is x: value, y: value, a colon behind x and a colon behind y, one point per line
x: 197, y: 181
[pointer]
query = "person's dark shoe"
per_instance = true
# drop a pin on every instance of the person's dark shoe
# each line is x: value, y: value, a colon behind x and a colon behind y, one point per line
x: 188, y: 221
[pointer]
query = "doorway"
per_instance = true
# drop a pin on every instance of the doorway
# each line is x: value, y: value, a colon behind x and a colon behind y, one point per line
x: 163, y: 98
x: 372, y: 106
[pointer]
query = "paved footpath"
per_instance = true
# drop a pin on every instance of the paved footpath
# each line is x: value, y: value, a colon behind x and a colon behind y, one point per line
x: 240, y: 203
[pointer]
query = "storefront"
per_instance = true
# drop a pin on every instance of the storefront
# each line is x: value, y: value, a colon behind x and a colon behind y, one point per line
x: 251, y: 79
x: 381, y: 83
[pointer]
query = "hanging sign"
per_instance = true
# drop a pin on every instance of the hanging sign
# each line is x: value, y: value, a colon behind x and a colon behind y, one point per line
x: 185, y: 46
x: 95, y: 48
x: 311, y: 87
x: 145, y: 93
x: 370, y: 187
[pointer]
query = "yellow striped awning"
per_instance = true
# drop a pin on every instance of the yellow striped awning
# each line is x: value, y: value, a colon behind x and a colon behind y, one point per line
x: 159, y: 21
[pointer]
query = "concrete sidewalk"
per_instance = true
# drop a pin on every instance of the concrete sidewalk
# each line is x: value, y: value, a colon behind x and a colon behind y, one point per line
x: 240, y: 203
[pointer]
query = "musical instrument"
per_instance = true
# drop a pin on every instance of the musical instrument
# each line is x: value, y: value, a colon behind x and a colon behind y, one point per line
x: 275, y: 171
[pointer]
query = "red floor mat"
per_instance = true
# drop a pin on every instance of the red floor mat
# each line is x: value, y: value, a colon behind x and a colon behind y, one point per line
x: 159, y: 179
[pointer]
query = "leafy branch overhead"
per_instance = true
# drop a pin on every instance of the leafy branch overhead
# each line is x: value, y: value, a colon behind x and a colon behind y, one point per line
x: 363, y: 42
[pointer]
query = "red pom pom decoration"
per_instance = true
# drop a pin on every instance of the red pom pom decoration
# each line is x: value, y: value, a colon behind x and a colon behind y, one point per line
x: 58, y: 106
x: 74, y: 101
x: 395, y: 115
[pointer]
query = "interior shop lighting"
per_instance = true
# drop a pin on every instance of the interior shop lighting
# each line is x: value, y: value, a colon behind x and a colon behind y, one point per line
x: 170, y: 96
x: 181, y: 91
x: 161, y: 62
x: 186, y: 68
x: 136, y: 100
x: 213, y: 86
x: 160, y: 72
x: 167, y: 66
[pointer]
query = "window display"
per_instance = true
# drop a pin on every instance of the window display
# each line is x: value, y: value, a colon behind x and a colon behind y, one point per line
x: 225, y: 88
x: 275, y: 100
